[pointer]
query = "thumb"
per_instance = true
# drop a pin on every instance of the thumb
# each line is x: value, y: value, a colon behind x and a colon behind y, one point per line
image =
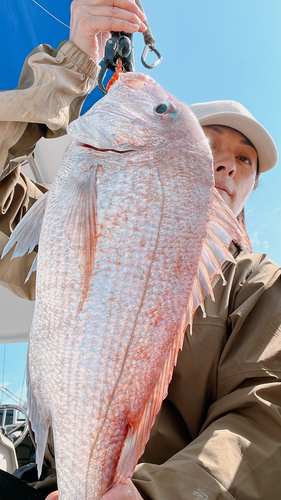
x: 53, y: 496
x: 125, y: 491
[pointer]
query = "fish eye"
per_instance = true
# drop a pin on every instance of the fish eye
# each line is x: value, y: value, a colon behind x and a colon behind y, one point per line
x: 164, y: 108
x: 161, y: 108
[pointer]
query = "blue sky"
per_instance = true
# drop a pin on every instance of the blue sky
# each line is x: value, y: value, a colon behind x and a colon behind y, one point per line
x: 13, y: 369
x: 228, y: 50
x: 213, y: 50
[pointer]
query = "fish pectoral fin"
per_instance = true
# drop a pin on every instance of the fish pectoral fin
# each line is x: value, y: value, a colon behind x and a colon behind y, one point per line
x: 223, y: 228
x: 80, y: 222
x: 26, y: 235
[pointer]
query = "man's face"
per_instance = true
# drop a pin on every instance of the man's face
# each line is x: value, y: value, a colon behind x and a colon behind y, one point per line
x: 235, y: 165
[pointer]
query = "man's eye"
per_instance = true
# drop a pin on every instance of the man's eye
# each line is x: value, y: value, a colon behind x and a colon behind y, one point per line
x: 211, y: 144
x: 245, y: 159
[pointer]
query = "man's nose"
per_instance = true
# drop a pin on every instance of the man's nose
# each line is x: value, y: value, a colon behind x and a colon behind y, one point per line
x: 225, y: 164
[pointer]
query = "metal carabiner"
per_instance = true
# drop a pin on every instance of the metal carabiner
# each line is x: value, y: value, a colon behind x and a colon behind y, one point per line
x: 151, y: 48
x: 149, y: 43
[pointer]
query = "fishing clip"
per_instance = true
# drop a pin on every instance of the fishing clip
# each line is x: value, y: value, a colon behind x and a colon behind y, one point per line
x: 119, y: 46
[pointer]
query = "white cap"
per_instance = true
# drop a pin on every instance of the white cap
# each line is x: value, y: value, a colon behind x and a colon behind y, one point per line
x: 233, y: 114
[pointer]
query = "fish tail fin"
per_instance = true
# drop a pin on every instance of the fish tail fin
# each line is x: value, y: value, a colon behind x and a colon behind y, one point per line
x: 39, y: 427
x: 26, y: 235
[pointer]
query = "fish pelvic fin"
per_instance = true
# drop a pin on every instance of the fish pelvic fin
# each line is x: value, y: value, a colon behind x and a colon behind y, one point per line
x: 26, y: 235
x: 223, y: 228
x: 137, y: 437
x: 38, y: 426
x: 80, y: 223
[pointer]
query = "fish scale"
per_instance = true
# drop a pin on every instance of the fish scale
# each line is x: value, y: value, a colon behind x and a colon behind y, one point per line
x: 127, y: 252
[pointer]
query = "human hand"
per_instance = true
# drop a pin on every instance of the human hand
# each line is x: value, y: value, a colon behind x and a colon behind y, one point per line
x: 125, y: 491
x: 92, y: 21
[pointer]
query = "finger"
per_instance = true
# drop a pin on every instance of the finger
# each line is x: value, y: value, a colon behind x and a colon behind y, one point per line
x: 53, y: 496
x: 107, y: 24
x: 105, y: 18
x: 127, y: 5
x: 125, y: 491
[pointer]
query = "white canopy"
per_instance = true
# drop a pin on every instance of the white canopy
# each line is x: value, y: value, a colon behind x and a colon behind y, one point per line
x: 16, y: 313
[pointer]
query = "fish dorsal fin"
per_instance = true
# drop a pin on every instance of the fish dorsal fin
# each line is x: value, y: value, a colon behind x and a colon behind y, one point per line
x: 26, y: 235
x: 80, y: 223
x: 223, y: 227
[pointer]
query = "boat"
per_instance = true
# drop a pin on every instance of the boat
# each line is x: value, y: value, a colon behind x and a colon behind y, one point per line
x: 16, y: 446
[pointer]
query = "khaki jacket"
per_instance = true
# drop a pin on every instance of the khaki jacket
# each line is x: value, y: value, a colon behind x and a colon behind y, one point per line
x: 218, y: 434
x: 52, y: 88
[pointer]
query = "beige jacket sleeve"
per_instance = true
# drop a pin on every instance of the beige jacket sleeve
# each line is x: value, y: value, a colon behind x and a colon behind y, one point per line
x: 52, y: 88
x: 218, y: 434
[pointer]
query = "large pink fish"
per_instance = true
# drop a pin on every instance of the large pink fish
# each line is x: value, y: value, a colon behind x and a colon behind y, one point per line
x: 132, y: 234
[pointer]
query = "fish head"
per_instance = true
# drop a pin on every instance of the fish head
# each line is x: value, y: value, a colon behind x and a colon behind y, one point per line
x: 138, y: 114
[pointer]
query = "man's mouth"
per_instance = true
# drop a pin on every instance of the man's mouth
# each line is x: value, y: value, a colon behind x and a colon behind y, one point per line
x: 222, y: 187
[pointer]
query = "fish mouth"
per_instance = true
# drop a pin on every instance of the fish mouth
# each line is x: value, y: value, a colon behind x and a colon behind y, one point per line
x: 123, y: 148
